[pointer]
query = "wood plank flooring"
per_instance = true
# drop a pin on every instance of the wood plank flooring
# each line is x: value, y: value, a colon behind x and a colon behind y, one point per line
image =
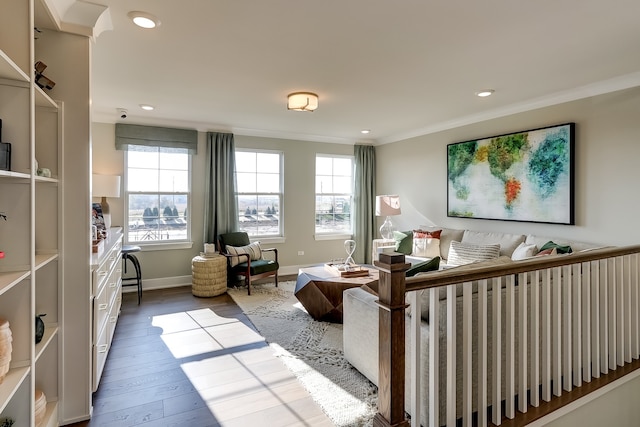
x: 181, y: 360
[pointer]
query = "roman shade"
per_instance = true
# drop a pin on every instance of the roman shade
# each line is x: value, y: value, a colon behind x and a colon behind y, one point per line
x: 153, y: 136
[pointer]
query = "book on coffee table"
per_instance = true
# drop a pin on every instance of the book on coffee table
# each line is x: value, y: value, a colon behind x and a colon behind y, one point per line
x: 343, y: 270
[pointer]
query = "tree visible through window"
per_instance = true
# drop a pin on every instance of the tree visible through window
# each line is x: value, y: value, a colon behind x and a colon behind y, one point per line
x: 334, y: 194
x: 259, y: 192
x: 157, y: 195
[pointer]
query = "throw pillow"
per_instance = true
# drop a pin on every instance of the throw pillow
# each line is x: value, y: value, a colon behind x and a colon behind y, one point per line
x: 431, y: 265
x: 550, y: 251
x: 404, y: 241
x: 252, y: 249
x: 524, y: 251
x: 560, y: 248
x: 426, y: 243
x: 465, y: 253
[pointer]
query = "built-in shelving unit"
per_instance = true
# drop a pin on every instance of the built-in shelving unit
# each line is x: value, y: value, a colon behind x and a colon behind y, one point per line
x: 31, y: 277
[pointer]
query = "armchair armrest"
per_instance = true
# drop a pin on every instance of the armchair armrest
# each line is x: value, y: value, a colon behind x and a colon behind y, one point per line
x: 274, y: 250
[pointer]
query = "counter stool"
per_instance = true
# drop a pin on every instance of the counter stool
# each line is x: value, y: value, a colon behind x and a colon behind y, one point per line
x: 127, y: 255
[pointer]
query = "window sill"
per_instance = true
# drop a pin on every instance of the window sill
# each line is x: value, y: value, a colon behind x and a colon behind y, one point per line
x: 151, y: 247
x: 333, y: 236
x: 270, y: 240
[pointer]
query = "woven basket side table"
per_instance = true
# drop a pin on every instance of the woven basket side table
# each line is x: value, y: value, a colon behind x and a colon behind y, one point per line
x: 208, y: 276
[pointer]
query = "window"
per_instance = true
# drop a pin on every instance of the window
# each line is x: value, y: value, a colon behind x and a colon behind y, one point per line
x: 259, y: 192
x: 334, y: 194
x: 157, y: 191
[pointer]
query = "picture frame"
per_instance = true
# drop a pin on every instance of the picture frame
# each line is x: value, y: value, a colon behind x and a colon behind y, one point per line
x: 524, y: 176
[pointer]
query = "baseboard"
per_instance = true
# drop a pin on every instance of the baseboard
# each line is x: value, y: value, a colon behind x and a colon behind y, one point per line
x: 176, y: 281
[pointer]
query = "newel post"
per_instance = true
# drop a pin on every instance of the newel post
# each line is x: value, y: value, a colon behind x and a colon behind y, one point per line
x: 391, y: 289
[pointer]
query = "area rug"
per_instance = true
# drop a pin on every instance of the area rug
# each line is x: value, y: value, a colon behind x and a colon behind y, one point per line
x: 312, y: 350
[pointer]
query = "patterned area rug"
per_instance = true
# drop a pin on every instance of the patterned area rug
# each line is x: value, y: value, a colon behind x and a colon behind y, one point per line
x: 312, y: 350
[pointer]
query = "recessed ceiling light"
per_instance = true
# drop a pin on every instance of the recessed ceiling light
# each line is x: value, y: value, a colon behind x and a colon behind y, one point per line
x: 484, y: 93
x: 365, y: 131
x: 143, y: 19
x: 147, y: 107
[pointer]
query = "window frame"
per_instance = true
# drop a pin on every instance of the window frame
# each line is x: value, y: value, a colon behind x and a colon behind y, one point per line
x: 157, y: 245
x: 272, y: 238
x: 334, y: 235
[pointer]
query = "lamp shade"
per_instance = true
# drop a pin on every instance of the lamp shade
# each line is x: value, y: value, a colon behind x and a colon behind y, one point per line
x: 105, y: 186
x: 302, y: 101
x: 388, y: 205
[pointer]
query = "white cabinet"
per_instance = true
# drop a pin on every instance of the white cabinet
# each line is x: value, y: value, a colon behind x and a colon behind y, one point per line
x: 106, y: 297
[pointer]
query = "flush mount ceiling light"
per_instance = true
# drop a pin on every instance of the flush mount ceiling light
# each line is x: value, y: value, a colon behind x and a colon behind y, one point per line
x: 143, y: 19
x: 147, y: 107
x: 484, y: 93
x: 365, y: 131
x: 302, y: 101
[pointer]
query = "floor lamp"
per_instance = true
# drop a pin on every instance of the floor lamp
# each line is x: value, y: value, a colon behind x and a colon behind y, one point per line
x: 387, y: 206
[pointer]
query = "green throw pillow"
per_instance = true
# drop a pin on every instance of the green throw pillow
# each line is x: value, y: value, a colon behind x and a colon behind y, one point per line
x: 559, y: 248
x: 431, y: 265
x: 404, y: 241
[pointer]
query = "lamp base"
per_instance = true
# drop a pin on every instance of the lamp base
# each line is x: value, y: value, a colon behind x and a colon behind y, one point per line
x: 106, y: 214
x: 387, y: 229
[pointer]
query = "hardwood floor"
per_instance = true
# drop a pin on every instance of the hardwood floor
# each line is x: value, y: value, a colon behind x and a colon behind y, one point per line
x: 181, y: 360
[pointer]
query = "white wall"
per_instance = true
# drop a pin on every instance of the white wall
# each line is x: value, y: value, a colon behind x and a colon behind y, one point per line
x: 298, y: 203
x: 607, y: 171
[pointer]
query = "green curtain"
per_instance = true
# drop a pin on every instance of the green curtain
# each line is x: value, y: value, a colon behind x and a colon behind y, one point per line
x: 364, y: 201
x: 220, y: 208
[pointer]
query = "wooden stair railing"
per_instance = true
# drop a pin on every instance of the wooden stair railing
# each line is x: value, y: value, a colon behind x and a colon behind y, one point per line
x: 577, y: 321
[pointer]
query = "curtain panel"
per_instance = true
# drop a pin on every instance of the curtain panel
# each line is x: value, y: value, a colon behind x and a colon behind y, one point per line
x: 364, y: 201
x: 220, y: 207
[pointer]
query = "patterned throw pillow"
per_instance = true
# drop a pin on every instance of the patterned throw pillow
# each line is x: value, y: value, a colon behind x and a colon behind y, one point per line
x: 466, y: 253
x: 426, y: 243
x: 253, y: 250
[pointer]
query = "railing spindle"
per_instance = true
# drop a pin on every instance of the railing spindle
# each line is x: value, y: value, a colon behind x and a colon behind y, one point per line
x: 522, y: 340
x: 535, y: 338
x: 613, y: 314
x: 596, y: 303
x: 586, y: 321
x: 483, y: 318
x: 416, y: 320
x: 434, y: 357
x: 451, y: 355
x: 496, y: 404
x: 509, y: 324
x: 546, y: 335
x: 567, y: 327
x: 467, y: 354
x: 556, y: 350
x: 577, y: 325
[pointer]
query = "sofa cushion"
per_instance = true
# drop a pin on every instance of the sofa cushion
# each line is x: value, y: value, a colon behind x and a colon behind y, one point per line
x: 431, y: 265
x: 465, y: 253
x: 524, y: 251
x: 404, y: 241
x: 252, y: 249
x: 426, y: 243
x: 447, y: 235
x: 508, y: 242
x: 539, y: 241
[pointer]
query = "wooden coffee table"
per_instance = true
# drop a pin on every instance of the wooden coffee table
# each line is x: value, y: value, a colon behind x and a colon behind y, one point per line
x: 320, y: 290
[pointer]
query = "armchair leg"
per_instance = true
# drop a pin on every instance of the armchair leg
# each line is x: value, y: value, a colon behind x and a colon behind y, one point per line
x: 276, y: 279
x: 248, y: 282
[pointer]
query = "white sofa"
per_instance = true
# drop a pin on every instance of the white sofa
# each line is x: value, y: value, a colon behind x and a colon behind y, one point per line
x: 361, y: 312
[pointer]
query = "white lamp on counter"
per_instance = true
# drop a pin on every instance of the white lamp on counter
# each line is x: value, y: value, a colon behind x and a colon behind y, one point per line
x: 387, y: 206
x: 105, y: 186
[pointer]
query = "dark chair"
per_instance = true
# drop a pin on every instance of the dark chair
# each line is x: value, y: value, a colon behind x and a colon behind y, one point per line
x: 250, y: 269
x: 136, y: 280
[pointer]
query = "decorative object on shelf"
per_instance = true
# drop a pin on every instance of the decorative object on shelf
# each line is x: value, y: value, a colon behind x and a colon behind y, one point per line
x: 45, y: 172
x: 40, y: 407
x: 387, y: 206
x: 350, y: 247
x: 6, y: 422
x: 39, y: 328
x: 42, y: 81
x: 5, y: 153
x: 105, y: 186
x: 523, y: 176
x: 5, y: 348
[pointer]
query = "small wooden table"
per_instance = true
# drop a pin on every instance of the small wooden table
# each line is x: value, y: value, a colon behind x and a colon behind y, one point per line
x: 320, y: 291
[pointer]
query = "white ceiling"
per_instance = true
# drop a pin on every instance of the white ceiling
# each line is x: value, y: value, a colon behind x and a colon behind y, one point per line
x: 399, y: 68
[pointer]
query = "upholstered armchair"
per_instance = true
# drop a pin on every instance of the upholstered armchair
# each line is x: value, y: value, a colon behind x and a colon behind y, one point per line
x: 246, y: 259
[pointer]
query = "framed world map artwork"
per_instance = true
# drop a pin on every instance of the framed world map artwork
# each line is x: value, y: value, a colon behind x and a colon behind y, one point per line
x: 524, y: 176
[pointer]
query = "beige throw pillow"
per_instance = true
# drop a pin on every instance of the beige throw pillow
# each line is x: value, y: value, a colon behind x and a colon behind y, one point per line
x: 465, y: 253
x: 252, y: 249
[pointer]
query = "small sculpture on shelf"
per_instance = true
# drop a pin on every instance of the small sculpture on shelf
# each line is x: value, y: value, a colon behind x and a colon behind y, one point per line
x: 39, y: 327
x: 6, y: 422
x: 42, y: 81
